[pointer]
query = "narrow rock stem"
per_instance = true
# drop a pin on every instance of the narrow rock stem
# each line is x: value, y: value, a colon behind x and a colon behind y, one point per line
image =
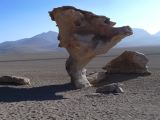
x: 77, y: 73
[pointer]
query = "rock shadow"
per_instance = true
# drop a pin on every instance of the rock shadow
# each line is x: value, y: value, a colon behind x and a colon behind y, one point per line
x: 116, y: 78
x: 43, y: 93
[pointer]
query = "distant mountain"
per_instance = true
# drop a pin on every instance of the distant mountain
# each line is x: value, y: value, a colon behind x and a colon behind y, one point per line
x: 157, y: 34
x: 47, y: 41
x: 39, y: 43
x: 140, y: 37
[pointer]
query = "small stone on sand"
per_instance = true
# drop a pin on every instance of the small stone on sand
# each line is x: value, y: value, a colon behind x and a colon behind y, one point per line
x: 15, y: 80
x: 111, y: 88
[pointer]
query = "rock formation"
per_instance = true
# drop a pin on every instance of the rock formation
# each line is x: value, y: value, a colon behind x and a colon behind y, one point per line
x: 128, y: 62
x: 85, y: 35
x: 15, y: 80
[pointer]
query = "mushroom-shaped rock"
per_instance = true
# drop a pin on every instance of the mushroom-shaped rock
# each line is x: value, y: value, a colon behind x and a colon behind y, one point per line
x: 85, y: 35
x: 128, y: 62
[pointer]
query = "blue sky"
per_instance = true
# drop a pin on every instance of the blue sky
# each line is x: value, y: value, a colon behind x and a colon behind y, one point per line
x: 26, y: 18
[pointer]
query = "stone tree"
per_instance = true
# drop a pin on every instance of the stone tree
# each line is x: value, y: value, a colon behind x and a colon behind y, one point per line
x: 85, y: 35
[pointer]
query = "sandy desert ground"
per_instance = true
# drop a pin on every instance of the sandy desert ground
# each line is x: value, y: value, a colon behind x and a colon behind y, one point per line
x: 51, y: 97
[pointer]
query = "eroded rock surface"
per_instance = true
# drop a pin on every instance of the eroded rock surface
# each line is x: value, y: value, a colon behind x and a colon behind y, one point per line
x: 85, y: 35
x: 128, y: 62
x: 15, y: 80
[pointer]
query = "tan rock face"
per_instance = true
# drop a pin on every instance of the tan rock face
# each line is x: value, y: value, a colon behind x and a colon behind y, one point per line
x: 85, y: 35
x: 128, y: 62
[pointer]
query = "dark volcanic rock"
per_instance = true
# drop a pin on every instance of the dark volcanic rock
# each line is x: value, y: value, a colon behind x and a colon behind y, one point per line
x: 15, y: 80
x: 111, y: 88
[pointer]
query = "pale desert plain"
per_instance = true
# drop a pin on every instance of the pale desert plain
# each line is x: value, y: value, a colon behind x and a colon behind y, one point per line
x: 51, y: 97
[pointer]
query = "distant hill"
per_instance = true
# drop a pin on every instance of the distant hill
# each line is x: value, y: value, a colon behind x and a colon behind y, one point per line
x: 40, y: 43
x: 47, y: 41
x: 140, y: 38
x: 157, y: 34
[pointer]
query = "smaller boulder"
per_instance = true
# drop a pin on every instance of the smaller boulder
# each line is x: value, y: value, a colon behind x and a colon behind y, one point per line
x: 128, y: 62
x: 96, y: 77
x: 15, y: 80
x: 114, y: 88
